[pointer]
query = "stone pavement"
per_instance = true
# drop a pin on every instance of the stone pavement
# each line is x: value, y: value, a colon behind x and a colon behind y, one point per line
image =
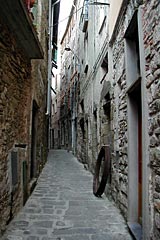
x: 62, y: 207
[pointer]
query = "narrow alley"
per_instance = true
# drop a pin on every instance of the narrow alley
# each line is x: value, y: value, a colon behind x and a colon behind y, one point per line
x: 82, y: 76
x: 63, y: 207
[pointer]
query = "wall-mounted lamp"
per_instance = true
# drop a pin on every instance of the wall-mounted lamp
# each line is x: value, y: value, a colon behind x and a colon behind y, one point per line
x: 68, y: 49
x: 99, y: 3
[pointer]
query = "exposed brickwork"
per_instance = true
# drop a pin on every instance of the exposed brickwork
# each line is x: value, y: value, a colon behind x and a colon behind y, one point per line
x: 120, y: 125
x: 22, y: 81
x: 14, y: 121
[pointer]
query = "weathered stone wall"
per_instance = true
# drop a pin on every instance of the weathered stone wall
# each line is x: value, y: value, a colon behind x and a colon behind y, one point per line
x: 120, y: 114
x: 22, y: 82
x: 151, y: 31
x: 14, y: 119
x: 100, y: 127
x: 151, y: 28
x: 120, y: 162
x: 39, y: 86
x: 38, y: 94
x: 93, y: 45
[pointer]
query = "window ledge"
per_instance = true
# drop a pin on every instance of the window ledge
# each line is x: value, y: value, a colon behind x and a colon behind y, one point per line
x: 16, y: 17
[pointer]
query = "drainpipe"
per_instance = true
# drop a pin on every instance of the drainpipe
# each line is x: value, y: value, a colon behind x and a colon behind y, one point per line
x: 49, y: 69
x: 49, y: 58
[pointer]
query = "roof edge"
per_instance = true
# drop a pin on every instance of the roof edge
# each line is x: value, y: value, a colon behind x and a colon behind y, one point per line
x: 69, y: 20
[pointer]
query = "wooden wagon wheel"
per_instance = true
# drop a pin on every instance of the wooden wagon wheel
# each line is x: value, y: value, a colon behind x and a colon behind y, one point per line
x: 99, y: 186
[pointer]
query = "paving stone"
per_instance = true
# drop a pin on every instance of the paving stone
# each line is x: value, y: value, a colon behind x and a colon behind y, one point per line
x: 49, y: 238
x: 9, y: 237
x: 59, y: 212
x: 60, y: 223
x: 44, y: 224
x: 41, y: 231
x: 48, y: 210
x: 19, y: 225
x: 63, y: 207
x: 26, y: 232
x: 33, y: 238
x: 110, y: 237
x: 75, y: 231
x: 32, y: 210
x: 74, y: 237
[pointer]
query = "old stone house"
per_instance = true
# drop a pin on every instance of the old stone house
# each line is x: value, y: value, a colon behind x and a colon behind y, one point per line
x: 110, y: 96
x: 134, y: 43
x: 69, y: 80
x: 55, y: 111
x: 23, y: 96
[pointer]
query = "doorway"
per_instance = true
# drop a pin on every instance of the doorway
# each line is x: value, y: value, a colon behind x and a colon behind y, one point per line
x: 135, y: 154
x: 25, y: 190
x: 33, y: 165
x: 133, y: 77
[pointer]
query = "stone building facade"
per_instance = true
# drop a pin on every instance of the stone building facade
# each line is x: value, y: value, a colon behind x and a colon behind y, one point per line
x: 68, y: 85
x: 55, y: 111
x: 23, y: 86
x: 117, y: 47
x: 151, y: 39
x: 134, y: 47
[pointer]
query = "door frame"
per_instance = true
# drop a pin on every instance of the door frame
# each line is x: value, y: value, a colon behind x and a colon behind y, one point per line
x: 132, y: 168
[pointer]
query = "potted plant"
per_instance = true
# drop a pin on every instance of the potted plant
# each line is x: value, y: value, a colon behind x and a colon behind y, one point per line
x: 32, y: 2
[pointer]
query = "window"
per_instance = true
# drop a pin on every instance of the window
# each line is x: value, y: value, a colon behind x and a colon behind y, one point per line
x: 84, y: 17
x: 102, y: 18
x: 104, y: 64
x: 132, y: 52
x: 55, y: 106
x: 56, y: 82
x: 82, y: 125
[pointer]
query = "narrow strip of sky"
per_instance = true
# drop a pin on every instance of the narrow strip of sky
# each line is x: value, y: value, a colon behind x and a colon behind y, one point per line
x: 65, y: 8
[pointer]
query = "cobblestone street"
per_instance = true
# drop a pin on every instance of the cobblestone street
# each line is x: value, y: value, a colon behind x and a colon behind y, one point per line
x: 63, y: 207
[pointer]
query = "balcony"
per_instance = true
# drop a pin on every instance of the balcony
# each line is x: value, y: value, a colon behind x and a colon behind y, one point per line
x: 84, y: 17
x: 29, y: 4
x: 17, y: 18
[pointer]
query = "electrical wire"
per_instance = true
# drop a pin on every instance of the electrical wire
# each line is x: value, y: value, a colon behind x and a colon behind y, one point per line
x: 90, y: 3
x: 56, y: 2
x: 66, y: 17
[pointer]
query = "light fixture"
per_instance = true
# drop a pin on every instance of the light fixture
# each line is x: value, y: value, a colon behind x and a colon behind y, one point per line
x: 99, y: 3
x: 68, y: 49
